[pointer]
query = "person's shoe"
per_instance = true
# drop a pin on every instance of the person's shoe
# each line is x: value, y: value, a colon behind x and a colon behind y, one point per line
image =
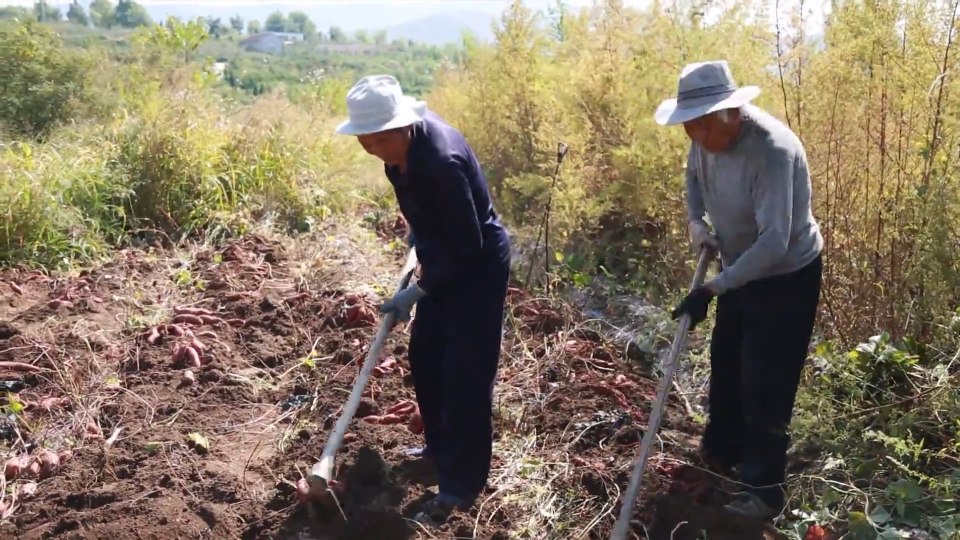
x: 437, y: 510
x: 717, y: 465
x: 750, y: 505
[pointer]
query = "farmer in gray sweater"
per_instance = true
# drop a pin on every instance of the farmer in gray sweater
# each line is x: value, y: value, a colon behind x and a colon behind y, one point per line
x: 748, y: 172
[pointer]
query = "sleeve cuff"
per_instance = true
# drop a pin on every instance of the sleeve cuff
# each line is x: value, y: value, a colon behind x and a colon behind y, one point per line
x: 718, y: 285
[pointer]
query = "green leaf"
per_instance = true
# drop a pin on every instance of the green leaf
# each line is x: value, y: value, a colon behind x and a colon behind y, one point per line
x: 200, y: 442
x: 860, y: 527
x: 830, y: 496
x: 879, y: 516
x: 13, y: 405
x: 947, y: 526
x: 905, y: 489
x: 891, y: 534
x: 909, y: 516
x: 152, y: 447
x: 558, y: 256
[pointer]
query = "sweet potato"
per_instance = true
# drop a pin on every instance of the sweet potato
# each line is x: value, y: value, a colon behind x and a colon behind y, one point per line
x: 415, y: 425
x: 389, y: 363
x: 206, y: 334
x: 210, y: 319
x: 402, y: 407
x: 373, y: 419
x: 20, y: 366
x: 92, y: 430
x: 388, y: 419
x: 296, y: 298
x: 12, y: 468
x: 192, y: 357
x: 59, y: 303
x: 65, y: 456
x: 178, y: 354
x: 188, y: 378
x: 27, y: 490
x: 15, y: 288
x: 174, y: 330
x: 236, y: 322
x: 188, y: 319
x: 153, y: 336
x: 303, y: 491
x: 233, y: 297
x: 51, y: 403
x: 183, y: 310
x: 33, y: 469
x: 349, y: 437
x: 49, y: 463
x: 198, y: 345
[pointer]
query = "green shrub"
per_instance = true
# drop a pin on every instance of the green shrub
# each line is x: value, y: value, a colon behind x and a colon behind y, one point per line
x: 42, y: 84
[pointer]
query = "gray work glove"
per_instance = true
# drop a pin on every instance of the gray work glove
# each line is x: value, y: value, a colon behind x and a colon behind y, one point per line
x: 700, y: 236
x: 402, y: 303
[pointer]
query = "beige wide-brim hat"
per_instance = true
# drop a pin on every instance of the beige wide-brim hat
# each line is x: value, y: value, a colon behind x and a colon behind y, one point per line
x: 376, y: 103
x: 704, y: 87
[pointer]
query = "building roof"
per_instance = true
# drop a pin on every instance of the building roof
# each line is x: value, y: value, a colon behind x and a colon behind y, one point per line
x: 266, y: 35
x: 257, y: 38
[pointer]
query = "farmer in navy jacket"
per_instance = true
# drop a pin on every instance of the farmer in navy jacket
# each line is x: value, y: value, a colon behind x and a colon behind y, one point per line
x: 464, y: 254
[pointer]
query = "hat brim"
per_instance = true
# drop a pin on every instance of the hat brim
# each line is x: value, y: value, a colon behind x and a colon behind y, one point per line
x: 669, y: 114
x: 412, y: 112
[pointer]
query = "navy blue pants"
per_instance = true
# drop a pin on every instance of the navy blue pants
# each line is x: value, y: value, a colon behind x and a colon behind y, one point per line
x: 757, y: 352
x: 454, y: 354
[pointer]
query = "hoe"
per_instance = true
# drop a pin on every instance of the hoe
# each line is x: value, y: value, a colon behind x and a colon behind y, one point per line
x: 323, y: 471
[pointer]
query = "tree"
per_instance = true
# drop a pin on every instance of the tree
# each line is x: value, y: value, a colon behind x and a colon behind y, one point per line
x: 214, y: 26
x: 47, y: 13
x: 299, y: 21
x: 361, y: 36
x: 77, y: 15
x: 236, y: 23
x: 276, y: 22
x: 337, y: 35
x: 380, y: 38
x: 43, y: 81
x: 102, y: 13
x: 130, y: 14
x: 14, y: 12
x: 253, y: 27
x: 176, y: 37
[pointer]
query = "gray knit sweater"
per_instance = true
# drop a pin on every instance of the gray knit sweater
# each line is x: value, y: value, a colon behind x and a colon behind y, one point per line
x: 757, y: 196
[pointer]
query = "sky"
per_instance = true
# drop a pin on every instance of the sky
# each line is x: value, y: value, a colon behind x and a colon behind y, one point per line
x: 400, y: 11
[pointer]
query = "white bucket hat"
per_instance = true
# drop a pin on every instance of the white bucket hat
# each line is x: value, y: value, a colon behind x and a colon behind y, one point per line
x: 704, y: 87
x: 376, y: 103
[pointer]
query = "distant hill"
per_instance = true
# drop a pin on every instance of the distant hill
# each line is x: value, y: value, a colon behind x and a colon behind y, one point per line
x: 425, y: 22
x: 444, y: 28
x: 435, y: 23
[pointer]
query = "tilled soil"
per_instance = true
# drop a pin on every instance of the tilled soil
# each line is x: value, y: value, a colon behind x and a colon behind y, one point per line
x: 143, y: 452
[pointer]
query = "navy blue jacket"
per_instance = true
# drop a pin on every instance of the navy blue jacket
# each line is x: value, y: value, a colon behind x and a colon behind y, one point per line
x: 445, y: 200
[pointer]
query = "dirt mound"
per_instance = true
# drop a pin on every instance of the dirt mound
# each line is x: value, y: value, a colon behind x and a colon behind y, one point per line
x: 187, y: 395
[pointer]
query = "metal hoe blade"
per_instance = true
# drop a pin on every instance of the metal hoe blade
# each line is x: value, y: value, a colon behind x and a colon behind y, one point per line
x: 622, y: 526
x: 323, y: 470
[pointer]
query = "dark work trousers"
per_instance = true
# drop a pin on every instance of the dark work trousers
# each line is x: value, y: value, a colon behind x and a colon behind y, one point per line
x: 454, y: 355
x: 757, y: 352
